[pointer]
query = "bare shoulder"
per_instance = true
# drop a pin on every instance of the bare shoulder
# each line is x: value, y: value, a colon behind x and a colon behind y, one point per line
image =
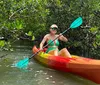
x: 46, y: 36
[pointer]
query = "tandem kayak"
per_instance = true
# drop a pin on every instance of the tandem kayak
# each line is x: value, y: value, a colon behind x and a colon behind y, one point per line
x: 84, y: 67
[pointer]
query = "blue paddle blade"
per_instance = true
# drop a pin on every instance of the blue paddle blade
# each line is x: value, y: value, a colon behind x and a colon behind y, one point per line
x: 22, y: 64
x: 76, y: 23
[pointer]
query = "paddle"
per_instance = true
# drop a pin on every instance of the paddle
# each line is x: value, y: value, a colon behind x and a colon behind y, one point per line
x: 24, y: 63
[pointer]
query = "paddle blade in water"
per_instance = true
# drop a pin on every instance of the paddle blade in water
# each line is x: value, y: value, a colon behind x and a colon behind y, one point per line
x: 22, y: 64
x: 76, y: 23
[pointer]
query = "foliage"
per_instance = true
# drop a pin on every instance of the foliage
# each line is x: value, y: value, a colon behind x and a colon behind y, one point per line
x: 34, y: 17
x: 2, y: 43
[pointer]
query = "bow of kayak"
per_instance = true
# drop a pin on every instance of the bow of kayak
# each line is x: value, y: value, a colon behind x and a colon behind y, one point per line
x: 85, y: 67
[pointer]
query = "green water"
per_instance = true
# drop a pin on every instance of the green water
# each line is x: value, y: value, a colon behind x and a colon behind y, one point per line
x: 36, y: 74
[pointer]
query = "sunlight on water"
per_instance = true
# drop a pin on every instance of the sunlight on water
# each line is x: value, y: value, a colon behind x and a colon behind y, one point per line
x: 36, y: 74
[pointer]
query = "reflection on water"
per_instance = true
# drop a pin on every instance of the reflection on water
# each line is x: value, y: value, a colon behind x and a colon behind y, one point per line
x: 36, y: 74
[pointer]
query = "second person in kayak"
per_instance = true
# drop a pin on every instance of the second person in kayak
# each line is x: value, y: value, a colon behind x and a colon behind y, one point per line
x: 53, y: 47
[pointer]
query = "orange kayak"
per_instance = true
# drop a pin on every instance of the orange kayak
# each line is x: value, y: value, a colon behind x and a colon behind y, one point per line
x: 84, y: 67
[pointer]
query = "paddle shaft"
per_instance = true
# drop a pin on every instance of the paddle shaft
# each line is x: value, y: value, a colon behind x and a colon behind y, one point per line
x: 50, y: 42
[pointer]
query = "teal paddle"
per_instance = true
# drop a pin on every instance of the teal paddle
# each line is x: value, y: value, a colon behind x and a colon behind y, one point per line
x: 24, y: 63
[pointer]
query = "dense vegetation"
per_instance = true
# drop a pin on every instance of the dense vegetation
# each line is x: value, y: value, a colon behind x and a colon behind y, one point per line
x: 21, y: 19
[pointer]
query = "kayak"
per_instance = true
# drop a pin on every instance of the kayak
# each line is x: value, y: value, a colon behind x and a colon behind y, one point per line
x: 84, y: 67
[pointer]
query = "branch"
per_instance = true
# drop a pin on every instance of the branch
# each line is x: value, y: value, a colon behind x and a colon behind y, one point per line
x: 16, y: 12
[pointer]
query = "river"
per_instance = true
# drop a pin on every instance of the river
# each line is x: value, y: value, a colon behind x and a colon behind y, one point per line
x: 36, y: 73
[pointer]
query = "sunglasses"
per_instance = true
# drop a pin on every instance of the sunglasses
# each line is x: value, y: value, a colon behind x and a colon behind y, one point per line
x: 54, y: 28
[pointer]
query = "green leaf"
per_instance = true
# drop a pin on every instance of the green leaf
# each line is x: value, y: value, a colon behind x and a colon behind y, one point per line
x: 30, y: 33
x: 98, y: 37
x: 58, y: 2
x: 2, y: 43
x: 11, y: 49
x: 94, y: 44
x: 17, y: 24
x: 33, y: 38
x: 94, y: 29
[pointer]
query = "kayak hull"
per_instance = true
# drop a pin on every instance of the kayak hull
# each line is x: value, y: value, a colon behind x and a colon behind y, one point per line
x: 85, y: 67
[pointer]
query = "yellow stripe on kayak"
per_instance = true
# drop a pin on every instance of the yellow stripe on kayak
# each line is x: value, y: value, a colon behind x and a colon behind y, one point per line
x: 43, y: 57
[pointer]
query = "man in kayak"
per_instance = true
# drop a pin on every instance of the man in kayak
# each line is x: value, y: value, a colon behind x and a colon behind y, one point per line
x: 53, y: 47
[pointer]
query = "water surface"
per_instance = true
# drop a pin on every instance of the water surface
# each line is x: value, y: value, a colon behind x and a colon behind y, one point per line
x: 36, y: 73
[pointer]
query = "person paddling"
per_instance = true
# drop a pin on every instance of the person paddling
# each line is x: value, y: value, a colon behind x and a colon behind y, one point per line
x: 53, y: 47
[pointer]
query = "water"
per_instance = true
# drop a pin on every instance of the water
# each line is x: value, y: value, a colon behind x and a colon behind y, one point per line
x: 36, y: 73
